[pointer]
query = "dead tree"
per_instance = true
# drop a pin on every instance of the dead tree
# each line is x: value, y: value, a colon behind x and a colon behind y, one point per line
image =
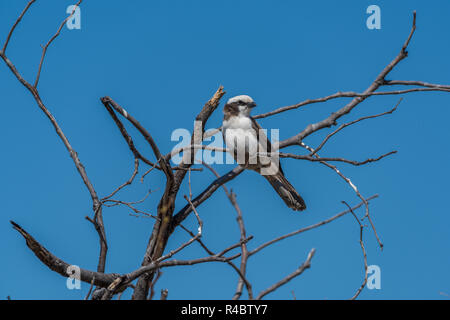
x: 169, y: 218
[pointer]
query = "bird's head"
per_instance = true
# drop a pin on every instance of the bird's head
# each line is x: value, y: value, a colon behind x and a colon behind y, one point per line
x: 239, y: 106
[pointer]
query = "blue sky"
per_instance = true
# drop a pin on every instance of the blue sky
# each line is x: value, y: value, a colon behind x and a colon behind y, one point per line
x: 162, y: 60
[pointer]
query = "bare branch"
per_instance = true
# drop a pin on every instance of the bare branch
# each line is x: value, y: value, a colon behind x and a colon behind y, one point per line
x: 126, y: 136
x: 416, y: 83
x: 320, y: 159
x: 351, y: 123
x: 352, y: 94
x: 54, y: 263
x: 355, y: 189
x: 90, y: 288
x: 361, y: 243
x: 127, y: 183
x: 296, y: 273
x: 163, y: 227
x: 15, y: 25
x: 164, y: 165
x: 129, y: 205
x: 244, y: 250
x: 44, y: 49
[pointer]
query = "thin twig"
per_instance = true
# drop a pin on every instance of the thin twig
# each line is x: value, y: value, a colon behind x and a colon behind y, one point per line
x: 15, y: 25
x: 128, y: 182
x: 44, y: 49
x: 351, y: 123
x: 320, y: 159
x: 90, y: 288
x: 305, y: 265
x: 361, y: 243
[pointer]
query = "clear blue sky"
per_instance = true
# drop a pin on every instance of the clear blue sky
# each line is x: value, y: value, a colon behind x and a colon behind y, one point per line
x: 162, y: 60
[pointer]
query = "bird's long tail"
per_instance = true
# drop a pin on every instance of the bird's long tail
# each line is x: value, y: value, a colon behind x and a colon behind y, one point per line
x: 286, y: 191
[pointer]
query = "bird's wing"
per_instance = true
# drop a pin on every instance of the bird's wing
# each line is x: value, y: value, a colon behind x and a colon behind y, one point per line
x: 262, y: 136
x: 260, y: 133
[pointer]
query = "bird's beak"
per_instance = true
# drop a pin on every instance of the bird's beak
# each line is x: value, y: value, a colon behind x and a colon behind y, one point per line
x: 252, y: 105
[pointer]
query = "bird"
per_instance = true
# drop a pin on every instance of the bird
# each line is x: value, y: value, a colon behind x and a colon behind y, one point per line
x: 249, y: 146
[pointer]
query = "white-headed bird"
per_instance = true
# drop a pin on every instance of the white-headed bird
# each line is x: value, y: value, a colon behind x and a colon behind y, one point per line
x: 248, y: 143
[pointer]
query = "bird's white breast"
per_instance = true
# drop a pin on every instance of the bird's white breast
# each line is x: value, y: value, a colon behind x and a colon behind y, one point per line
x: 236, y: 122
x: 238, y: 133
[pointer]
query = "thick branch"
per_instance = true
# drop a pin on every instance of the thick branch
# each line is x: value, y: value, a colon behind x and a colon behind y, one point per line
x: 54, y: 263
x: 162, y: 227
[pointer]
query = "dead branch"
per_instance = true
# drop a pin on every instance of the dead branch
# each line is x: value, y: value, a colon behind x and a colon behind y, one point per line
x: 127, y: 183
x: 15, y: 25
x: 44, y: 49
x: 361, y: 243
x: 305, y: 265
x: 345, y: 125
x: 163, y: 227
x: 59, y: 266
